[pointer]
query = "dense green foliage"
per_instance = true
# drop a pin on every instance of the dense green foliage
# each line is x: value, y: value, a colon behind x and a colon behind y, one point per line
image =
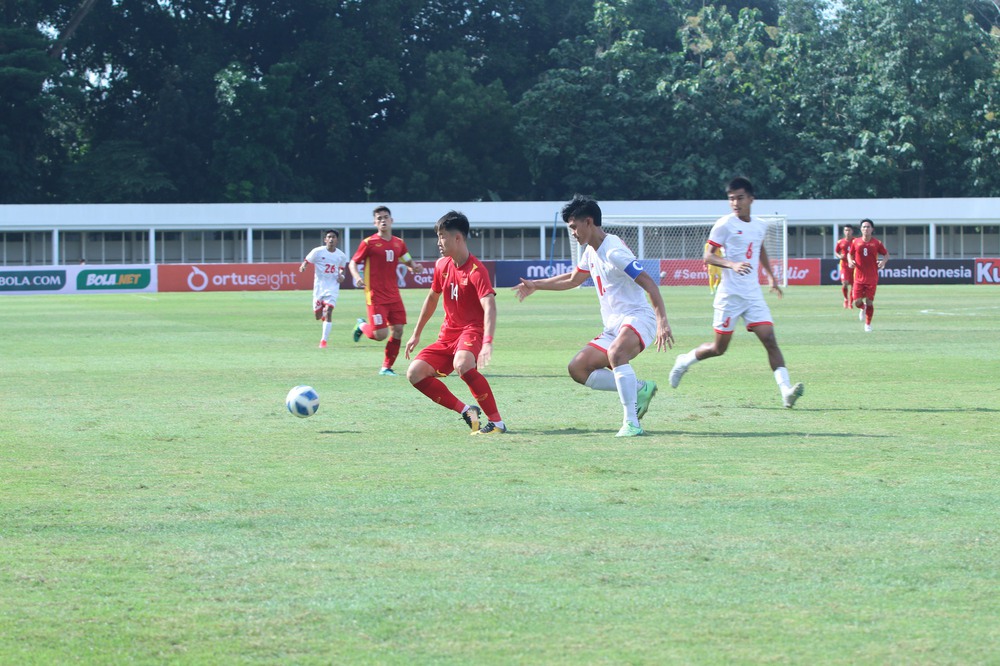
x: 401, y: 100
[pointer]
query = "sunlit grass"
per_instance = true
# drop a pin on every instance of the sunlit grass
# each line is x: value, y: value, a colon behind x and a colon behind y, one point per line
x: 157, y: 504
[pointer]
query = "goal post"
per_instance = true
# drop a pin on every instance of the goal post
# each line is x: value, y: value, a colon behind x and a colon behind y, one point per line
x: 674, y: 245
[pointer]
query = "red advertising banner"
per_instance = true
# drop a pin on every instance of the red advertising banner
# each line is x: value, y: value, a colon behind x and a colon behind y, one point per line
x: 692, y: 272
x: 987, y: 271
x: 233, y: 277
x: 266, y: 277
x: 800, y: 272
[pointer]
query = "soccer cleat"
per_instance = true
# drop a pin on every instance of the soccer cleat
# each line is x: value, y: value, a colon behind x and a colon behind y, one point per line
x: 322, y: 344
x: 387, y: 372
x: 677, y: 372
x: 357, y: 329
x: 643, y: 398
x: 868, y: 328
x: 490, y: 429
x: 629, y: 430
x: 789, y: 397
x: 471, y: 418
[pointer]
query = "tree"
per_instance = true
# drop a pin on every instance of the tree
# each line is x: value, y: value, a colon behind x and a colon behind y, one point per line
x: 457, y: 142
x: 253, y: 156
x: 29, y: 92
x: 596, y: 124
x: 910, y: 77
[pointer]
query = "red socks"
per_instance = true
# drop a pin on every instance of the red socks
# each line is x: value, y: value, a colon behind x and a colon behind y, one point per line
x: 482, y: 393
x: 435, y: 389
x: 391, y: 351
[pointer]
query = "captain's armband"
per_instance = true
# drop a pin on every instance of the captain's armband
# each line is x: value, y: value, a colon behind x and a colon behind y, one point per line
x: 633, y: 269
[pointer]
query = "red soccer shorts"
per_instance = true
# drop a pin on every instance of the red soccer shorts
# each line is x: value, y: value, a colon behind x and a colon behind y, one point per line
x: 863, y: 290
x: 440, y: 355
x: 381, y: 316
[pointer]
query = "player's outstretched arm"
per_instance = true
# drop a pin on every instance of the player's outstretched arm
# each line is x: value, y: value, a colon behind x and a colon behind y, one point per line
x: 555, y: 283
x: 426, y: 311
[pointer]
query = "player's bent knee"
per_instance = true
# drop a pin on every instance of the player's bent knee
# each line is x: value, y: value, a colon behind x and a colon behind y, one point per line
x: 578, y: 373
x: 419, y: 371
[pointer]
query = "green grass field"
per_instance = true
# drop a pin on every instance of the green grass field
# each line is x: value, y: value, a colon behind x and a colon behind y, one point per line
x: 159, y: 505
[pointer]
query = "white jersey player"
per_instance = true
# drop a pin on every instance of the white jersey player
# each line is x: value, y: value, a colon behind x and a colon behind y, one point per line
x: 613, y: 268
x: 739, y: 296
x: 630, y: 324
x: 328, y: 262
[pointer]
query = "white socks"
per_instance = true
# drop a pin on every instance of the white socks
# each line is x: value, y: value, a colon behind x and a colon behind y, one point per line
x: 687, y: 360
x: 327, y: 325
x: 781, y: 376
x: 601, y: 379
x: 628, y: 387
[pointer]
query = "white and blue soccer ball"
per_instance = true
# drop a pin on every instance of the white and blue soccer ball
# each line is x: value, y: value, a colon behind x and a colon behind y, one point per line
x: 302, y: 401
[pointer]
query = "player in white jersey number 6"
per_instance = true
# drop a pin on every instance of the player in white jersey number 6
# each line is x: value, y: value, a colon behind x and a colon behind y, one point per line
x: 742, y: 237
x: 630, y: 324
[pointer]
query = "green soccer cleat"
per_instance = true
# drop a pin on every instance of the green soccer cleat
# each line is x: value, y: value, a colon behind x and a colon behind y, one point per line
x: 645, y: 394
x: 629, y: 430
x: 357, y: 329
x: 471, y: 418
x: 490, y: 429
x: 387, y: 372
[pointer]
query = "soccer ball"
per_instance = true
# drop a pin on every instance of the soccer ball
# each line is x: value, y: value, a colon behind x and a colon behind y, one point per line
x: 302, y: 401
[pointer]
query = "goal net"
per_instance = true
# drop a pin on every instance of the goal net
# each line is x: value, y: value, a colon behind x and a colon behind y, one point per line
x: 670, y: 247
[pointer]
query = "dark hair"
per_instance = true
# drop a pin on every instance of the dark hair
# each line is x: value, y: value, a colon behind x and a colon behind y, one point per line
x: 453, y: 221
x: 331, y: 231
x: 868, y: 221
x: 581, y: 206
x: 849, y: 226
x: 379, y: 209
x: 740, y: 183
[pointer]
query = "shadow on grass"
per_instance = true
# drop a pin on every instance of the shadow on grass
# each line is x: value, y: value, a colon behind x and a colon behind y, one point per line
x: 491, y: 375
x: 769, y: 435
x: 913, y: 410
x: 564, y: 431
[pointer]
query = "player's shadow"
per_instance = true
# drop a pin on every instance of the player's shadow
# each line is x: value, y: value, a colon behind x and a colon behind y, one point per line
x: 491, y: 375
x: 768, y: 435
x: 570, y: 432
x: 914, y: 410
x: 591, y: 432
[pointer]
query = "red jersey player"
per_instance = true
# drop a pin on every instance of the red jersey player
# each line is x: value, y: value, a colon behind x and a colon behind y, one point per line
x: 381, y: 253
x: 846, y: 272
x: 863, y: 258
x: 465, y: 343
